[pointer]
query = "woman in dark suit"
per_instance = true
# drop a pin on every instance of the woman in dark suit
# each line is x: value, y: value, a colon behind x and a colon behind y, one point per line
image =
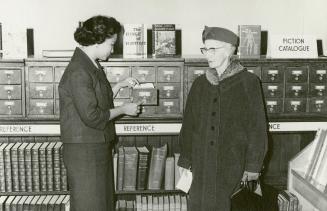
x: 86, y: 116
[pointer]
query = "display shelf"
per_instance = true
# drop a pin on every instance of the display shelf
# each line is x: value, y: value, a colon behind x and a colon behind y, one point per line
x: 310, y: 198
x: 35, y: 193
x: 150, y: 192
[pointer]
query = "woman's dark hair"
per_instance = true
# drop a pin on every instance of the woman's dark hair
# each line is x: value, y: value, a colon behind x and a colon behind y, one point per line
x: 96, y: 30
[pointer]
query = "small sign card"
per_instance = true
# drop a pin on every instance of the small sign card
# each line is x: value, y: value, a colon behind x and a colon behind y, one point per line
x: 293, y: 46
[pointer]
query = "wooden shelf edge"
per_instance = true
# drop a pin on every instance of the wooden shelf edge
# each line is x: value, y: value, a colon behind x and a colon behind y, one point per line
x: 309, y: 192
x: 34, y: 193
x: 149, y: 192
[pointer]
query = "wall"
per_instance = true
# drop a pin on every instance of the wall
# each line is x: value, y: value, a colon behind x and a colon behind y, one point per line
x: 55, y: 21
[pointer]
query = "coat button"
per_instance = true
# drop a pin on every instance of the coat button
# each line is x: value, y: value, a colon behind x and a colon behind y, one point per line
x: 213, y: 113
x: 215, y: 100
x: 212, y: 128
x: 211, y: 143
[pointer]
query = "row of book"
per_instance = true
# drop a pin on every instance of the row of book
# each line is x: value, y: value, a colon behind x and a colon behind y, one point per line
x: 316, y: 172
x: 154, y: 203
x: 28, y: 167
x: 136, y: 168
x: 38, y: 202
x: 135, y: 40
x: 287, y: 201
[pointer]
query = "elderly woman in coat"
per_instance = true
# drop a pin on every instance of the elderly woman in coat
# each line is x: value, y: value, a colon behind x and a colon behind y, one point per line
x: 223, y: 138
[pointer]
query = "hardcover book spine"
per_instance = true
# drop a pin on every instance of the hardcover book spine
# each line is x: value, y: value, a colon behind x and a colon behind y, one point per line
x: 7, y: 163
x: 49, y: 160
x: 35, y: 169
x: 21, y: 169
x: 43, y: 170
x: 56, y: 168
x: 2, y: 171
x: 28, y: 169
x: 14, y: 169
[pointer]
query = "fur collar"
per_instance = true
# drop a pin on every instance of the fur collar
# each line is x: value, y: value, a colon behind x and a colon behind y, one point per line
x: 232, y: 69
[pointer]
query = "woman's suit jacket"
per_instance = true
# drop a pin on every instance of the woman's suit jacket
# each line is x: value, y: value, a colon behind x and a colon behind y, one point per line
x: 86, y: 98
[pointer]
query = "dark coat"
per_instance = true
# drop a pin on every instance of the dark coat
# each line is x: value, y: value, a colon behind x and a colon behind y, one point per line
x: 85, y: 99
x: 224, y: 133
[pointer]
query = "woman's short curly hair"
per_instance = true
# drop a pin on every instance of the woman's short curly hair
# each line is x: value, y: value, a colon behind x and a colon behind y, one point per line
x: 96, y: 30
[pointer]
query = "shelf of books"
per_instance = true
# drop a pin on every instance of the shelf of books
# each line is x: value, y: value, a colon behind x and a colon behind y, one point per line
x: 307, y: 175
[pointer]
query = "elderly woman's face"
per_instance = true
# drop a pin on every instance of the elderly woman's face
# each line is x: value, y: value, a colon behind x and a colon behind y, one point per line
x: 217, y: 52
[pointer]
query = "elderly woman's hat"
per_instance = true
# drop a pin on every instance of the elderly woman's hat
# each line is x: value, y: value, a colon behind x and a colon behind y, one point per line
x: 221, y: 34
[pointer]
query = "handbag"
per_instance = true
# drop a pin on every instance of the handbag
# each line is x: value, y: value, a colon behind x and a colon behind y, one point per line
x: 246, y: 197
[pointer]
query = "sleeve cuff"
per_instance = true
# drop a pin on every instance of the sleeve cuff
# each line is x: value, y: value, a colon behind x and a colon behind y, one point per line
x: 185, y: 163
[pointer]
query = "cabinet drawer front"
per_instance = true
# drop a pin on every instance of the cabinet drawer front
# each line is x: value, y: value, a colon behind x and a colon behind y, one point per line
x: 296, y: 74
x: 273, y: 90
x: 59, y: 71
x: 41, y: 91
x: 272, y: 74
x: 147, y: 111
x: 318, y: 90
x: 318, y: 105
x: 318, y: 74
x: 40, y: 74
x: 194, y: 72
x: 296, y: 90
x: 10, y: 92
x: 169, y: 90
x: 295, y: 105
x: 168, y: 106
x: 274, y: 105
x: 146, y: 96
x: 116, y: 74
x: 40, y: 107
x: 144, y: 74
x: 169, y: 74
x: 10, y: 107
x: 255, y: 70
x: 10, y: 76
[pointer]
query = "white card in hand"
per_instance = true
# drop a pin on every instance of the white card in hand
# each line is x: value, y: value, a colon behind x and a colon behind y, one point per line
x: 185, y: 181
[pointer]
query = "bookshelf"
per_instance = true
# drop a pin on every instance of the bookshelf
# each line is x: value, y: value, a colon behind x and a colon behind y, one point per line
x: 309, y: 196
x: 290, y: 129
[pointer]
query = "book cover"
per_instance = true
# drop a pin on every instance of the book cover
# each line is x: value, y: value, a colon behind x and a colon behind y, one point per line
x: 26, y: 205
x: 144, y: 203
x: 56, y: 167
x: 172, y: 205
x: 163, y: 40
x: 183, y: 203
x: 143, y: 165
x: 250, y: 41
x: 36, y: 167
x: 7, y: 164
x: 166, y: 203
x: 43, y: 167
x: 58, y: 203
x: 28, y: 167
x: 49, y: 160
x: 2, y: 168
x: 115, y: 166
x: 135, y: 41
x: 39, y: 202
x: 130, y: 168
x: 8, y: 202
x: 150, y: 202
x: 120, y: 170
x: 155, y: 203
x: 14, y: 203
x: 33, y: 204
x: 63, y: 171
x: 161, y: 203
x: 169, y: 173
x: 157, y: 166
x: 319, y: 177
x: 14, y: 167
x: 21, y: 166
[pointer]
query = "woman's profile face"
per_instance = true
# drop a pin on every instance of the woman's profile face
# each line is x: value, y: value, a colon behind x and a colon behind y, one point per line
x: 104, y: 49
x: 217, y: 52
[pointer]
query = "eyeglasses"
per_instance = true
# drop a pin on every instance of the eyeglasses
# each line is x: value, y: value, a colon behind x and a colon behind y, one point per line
x: 209, y: 50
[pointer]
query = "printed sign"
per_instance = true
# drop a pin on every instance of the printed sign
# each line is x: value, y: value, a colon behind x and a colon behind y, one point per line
x: 293, y: 46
